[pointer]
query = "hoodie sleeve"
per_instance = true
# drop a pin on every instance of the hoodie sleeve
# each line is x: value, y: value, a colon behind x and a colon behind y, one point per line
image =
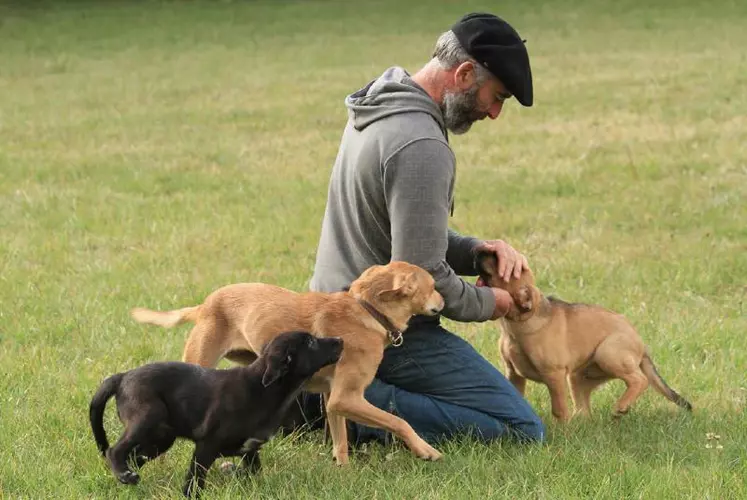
x: 460, y: 254
x: 418, y: 180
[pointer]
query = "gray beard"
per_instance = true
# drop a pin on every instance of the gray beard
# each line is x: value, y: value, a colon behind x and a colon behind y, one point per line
x: 460, y: 110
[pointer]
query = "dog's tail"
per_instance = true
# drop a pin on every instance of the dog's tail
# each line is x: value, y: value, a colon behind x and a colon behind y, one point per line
x: 96, y: 410
x: 660, y: 385
x: 166, y: 319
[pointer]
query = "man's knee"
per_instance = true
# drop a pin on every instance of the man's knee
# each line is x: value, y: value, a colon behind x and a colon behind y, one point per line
x: 531, y: 431
x: 528, y: 430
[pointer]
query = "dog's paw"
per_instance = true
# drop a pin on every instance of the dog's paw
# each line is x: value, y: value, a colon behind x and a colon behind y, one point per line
x: 426, y: 452
x: 128, y: 477
x: 617, y: 414
x: 434, y: 455
x: 228, y: 468
x: 341, y: 460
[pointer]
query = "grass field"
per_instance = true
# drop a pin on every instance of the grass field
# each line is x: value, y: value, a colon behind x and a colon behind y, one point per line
x: 151, y: 152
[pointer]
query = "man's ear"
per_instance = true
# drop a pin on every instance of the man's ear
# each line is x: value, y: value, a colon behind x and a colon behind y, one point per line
x: 465, y: 75
x: 402, y: 286
x: 275, y: 370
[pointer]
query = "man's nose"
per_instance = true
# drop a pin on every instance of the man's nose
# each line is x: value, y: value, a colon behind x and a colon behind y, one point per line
x: 495, y: 110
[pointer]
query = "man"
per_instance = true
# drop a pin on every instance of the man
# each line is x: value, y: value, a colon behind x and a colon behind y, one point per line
x: 390, y: 197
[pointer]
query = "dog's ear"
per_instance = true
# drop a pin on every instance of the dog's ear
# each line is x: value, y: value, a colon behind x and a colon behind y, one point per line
x: 524, y: 298
x: 403, y: 285
x: 486, y: 265
x: 276, y: 369
x: 523, y: 305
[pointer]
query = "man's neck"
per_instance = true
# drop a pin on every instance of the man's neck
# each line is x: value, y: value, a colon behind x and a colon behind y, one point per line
x: 431, y: 79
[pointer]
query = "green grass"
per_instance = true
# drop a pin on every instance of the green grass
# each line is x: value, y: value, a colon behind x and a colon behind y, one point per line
x: 151, y: 152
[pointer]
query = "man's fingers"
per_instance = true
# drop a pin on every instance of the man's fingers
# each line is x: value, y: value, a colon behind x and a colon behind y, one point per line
x: 511, y: 259
x: 502, y: 260
x: 514, y: 265
x: 518, y: 267
x: 511, y: 263
x: 521, y: 265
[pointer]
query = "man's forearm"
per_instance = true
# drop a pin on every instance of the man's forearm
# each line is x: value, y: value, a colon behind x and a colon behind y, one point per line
x: 460, y: 253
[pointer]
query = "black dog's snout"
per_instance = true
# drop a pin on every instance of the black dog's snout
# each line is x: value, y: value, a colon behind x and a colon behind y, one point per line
x: 335, y: 344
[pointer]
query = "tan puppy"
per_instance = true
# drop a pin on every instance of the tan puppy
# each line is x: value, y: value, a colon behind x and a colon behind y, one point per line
x: 552, y: 342
x: 238, y: 320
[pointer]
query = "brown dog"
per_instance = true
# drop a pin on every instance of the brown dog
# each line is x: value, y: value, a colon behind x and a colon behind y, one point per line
x: 552, y: 342
x: 238, y: 320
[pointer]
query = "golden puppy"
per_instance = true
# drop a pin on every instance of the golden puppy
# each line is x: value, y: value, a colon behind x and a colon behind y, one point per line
x: 553, y: 342
x: 236, y: 321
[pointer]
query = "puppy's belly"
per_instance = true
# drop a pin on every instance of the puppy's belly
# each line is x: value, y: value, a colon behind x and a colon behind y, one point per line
x: 593, y: 371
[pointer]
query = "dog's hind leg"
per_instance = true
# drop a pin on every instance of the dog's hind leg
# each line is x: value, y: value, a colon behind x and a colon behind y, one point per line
x: 204, y: 345
x: 133, y: 438
x: 157, y: 444
x: 636, y: 383
x: 581, y: 388
x: 618, y: 358
x: 140, y: 427
x: 202, y: 459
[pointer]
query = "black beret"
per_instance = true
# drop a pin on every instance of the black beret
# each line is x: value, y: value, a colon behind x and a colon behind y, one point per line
x: 497, y: 46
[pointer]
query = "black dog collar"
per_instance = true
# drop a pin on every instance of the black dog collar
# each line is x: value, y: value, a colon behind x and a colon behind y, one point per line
x: 395, y: 335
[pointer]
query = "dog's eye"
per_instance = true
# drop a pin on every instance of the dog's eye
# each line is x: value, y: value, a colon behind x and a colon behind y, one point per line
x: 311, y: 342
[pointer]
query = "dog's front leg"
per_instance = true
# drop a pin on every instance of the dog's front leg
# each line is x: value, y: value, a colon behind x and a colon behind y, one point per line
x: 339, y: 432
x: 250, y: 461
x: 353, y: 406
x: 203, y: 458
x: 557, y: 385
x: 517, y: 380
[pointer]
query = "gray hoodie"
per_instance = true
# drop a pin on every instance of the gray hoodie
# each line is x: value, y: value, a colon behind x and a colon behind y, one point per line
x: 390, y: 196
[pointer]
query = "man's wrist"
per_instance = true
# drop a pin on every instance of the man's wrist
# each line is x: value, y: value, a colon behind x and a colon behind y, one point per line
x: 503, y: 303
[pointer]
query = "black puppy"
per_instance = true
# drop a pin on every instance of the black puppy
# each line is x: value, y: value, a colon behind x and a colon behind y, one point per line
x: 229, y: 412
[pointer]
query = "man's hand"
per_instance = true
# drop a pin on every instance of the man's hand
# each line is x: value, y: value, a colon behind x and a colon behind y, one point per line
x: 510, y: 262
x: 503, y: 301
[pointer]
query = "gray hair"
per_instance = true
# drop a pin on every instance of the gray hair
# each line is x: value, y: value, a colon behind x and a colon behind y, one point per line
x: 449, y: 53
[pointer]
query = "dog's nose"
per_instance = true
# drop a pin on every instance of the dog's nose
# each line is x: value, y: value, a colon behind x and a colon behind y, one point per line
x: 440, y: 307
x: 437, y: 309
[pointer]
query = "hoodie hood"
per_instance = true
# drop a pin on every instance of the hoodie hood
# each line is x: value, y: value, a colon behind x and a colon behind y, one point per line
x: 394, y: 92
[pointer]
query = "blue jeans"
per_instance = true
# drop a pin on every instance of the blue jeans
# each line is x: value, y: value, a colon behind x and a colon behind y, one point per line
x: 440, y: 385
